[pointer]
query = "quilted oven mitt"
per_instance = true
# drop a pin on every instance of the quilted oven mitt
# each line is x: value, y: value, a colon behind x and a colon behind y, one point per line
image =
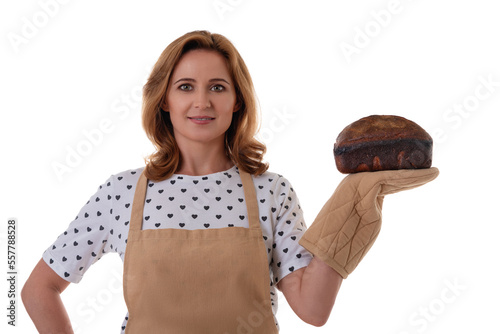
x: 350, y: 221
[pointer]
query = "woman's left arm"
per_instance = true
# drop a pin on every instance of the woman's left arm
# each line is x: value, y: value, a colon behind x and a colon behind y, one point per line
x: 311, y: 291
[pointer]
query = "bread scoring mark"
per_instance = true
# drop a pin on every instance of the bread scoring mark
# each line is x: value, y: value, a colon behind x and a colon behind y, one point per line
x: 376, y: 163
x: 401, y: 159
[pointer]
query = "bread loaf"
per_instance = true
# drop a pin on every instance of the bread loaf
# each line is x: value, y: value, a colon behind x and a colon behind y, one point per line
x: 382, y: 142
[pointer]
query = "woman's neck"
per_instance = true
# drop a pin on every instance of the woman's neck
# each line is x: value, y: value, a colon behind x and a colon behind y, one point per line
x: 202, y: 159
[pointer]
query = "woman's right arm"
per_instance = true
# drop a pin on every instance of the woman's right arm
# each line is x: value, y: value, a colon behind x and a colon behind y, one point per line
x: 42, y: 300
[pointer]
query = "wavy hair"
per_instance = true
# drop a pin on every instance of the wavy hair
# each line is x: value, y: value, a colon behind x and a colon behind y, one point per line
x: 241, y: 146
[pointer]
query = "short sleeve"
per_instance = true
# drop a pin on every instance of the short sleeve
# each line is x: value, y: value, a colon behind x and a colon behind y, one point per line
x: 85, y: 240
x: 288, y: 255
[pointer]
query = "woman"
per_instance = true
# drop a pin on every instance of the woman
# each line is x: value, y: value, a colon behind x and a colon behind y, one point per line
x: 206, y: 233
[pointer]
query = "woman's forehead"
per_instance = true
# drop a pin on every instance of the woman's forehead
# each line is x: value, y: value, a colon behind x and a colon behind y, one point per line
x: 201, y: 65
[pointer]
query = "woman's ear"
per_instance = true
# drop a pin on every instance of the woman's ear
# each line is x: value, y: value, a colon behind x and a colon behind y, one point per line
x: 164, y: 106
x: 237, y: 105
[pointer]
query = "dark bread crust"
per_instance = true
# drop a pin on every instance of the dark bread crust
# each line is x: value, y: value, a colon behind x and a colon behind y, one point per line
x: 382, y: 142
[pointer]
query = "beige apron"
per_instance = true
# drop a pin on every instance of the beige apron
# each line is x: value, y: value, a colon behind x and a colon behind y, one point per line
x: 199, y: 281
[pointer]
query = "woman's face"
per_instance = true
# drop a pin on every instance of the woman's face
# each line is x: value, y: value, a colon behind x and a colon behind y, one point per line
x: 200, y: 99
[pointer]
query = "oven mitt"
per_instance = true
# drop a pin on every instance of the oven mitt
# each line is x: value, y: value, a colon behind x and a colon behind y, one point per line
x: 349, y: 222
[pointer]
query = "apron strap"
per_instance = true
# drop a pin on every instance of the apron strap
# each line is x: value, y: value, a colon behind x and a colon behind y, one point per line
x: 248, y: 189
x: 251, y: 200
x: 138, y: 204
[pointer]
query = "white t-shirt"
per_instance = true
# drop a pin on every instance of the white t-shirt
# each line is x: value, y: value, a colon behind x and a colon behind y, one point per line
x: 183, y: 202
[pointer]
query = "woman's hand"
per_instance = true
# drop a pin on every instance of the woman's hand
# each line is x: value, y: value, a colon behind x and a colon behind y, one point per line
x: 41, y: 298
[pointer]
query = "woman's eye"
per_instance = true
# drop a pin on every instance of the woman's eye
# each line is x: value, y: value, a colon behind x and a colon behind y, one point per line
x: 217, y: 88
x: 185, y: 87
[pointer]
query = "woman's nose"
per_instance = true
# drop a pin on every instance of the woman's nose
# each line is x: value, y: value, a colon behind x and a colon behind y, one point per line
x: 202, y: 101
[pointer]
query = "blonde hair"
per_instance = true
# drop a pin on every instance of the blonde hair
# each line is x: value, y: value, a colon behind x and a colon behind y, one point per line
x: 241, y: 147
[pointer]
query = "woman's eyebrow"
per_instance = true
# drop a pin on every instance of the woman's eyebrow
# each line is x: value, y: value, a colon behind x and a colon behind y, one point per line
x: 185, y: 79
x: 193, y: 80
x: 219, y: 79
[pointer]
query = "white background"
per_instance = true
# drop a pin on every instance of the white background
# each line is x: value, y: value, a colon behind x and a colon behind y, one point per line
x: 69, y: 66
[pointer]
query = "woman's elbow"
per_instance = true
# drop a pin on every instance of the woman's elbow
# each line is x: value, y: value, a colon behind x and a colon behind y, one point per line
x: 316, y: 320
x: 28, y: 294
x: 25, y: 292
x: 318, y: 323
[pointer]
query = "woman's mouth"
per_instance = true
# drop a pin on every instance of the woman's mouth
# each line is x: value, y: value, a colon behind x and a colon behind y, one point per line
x: 201, y: 119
